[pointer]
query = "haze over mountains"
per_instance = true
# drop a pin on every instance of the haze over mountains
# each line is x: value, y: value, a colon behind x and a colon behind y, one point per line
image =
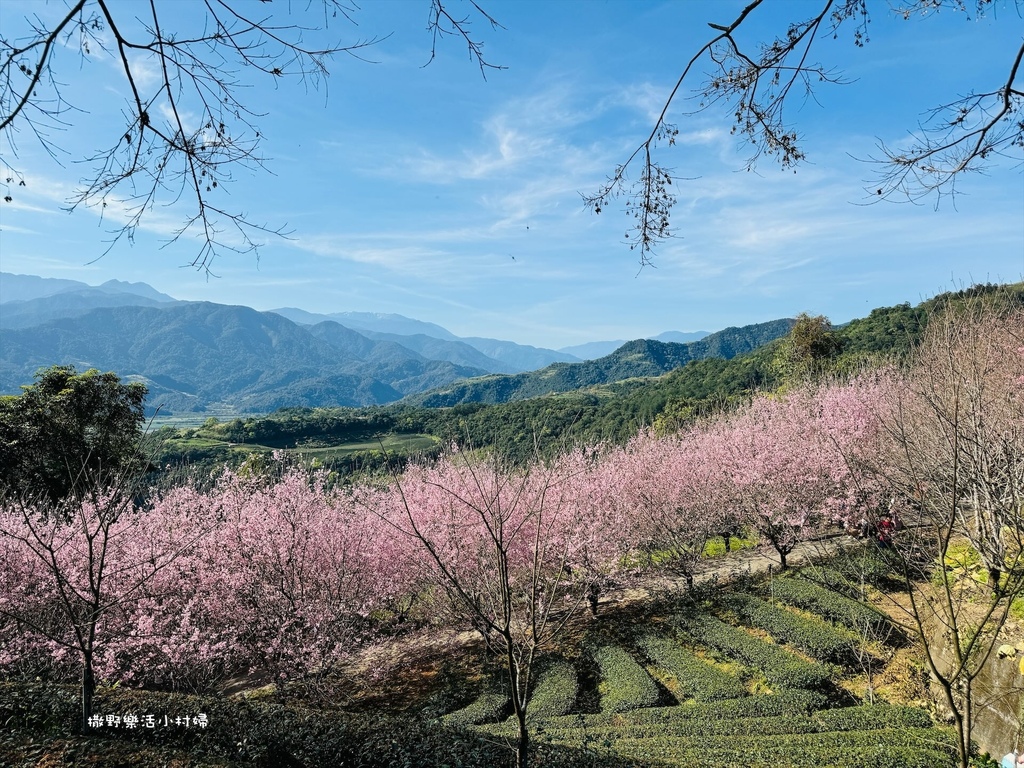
x: 198, y: 355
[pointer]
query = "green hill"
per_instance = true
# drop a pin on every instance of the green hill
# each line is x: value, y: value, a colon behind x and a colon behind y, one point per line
x: 635, y: 359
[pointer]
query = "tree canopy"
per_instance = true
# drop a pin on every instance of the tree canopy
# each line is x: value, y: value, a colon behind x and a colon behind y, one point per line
x: 69, y: 433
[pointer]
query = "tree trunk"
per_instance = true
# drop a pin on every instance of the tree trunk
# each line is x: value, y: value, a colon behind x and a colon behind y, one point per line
x: 523, y: 743
x: 994, y: 574
x: 88, y: 689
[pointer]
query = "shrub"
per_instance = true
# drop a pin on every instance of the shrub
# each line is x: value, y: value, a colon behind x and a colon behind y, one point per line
x: 557, y: 688
x: 818, y: 638
x: 777, y: 665
x: 791, y: 755
x: 877, y: 718
x: 696, y: 678
x: 251, y: 732
x: 833, y: 606
x: 626, y: 685
x: 851, y: 569
x: 784, y: 703
x: 486, y: 708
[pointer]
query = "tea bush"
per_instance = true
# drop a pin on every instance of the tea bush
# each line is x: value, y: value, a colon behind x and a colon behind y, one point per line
x: 779, y: 666
x: 696, y: 678
x: 625, y: 684
x: 831, y: 605
x: 556, y: 692
x: 818, y: 638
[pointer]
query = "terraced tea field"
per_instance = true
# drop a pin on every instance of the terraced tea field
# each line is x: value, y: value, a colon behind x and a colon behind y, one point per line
x: 770, y: 676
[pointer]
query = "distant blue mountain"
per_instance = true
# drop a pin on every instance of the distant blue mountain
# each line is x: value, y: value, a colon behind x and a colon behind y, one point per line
x: 28, y: 287
x: 595, y: 349
x: 494, y: 355
x: 369, y: 321
x: 196, y: 354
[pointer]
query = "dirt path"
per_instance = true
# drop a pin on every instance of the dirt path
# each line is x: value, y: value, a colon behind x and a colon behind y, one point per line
x: 721, y: 569
x: 728, y: 567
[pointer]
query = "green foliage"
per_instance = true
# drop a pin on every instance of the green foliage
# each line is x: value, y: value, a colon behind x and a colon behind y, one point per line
x: 828, y: 604
x: 556, y: 692
x: 640, y: 358
x: 866, y: 718
x: 783, y: 703
x: 779, y: 666
x: 1017, y: 609
x: 904, y: 748
x: 69, y: 432
x: 625, y: 685
x: 808, y: 350
x: 961, y: 561
x: 486, y: 708
x: 255, y: 732
x: 696, y: 678
x: 851, y: 572
x: 818, y: 638
x: 716, y: 546
x: 890, y: 737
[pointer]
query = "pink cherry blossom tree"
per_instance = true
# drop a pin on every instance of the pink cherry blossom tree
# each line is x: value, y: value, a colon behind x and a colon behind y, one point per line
x: 517, y: 550
x: 287, y: 584
x: 793, y: 461
x: 72, y: 571
x: 675, y: 492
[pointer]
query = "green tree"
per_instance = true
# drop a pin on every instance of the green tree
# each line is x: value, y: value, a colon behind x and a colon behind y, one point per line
x: 69, y: 432
x: 808, y: 350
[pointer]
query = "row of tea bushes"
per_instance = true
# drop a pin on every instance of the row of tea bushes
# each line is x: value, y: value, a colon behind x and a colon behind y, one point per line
x: 486, y: 708
x: 864, y: 718
x: 852, y: 614
x: 820, y: 639
x: 730, y: 712
x: 239, y: 732
x: 779, y: 666
x: 625, y: 685
x: 917, y: 748
x: 789, y: 703
x: 695, y: 678
x: 556, y: 692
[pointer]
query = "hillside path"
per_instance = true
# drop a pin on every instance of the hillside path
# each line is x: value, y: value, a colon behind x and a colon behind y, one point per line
x: 728, y: 567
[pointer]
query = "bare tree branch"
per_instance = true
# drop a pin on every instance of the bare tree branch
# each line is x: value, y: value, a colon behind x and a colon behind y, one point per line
x: 185, y: 134
x: 757, y: 87
x: 442, y: 23
x: 959, y: 137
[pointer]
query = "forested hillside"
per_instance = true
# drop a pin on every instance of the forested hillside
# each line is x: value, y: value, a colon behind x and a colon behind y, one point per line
x: 593, y: 594
x: 607, y: 412
x: 635, y: 359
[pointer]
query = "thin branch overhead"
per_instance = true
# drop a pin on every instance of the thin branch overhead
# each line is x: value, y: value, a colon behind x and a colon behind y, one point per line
x: 187, y: 133
x: 960, y: 137
x: 756, y: 85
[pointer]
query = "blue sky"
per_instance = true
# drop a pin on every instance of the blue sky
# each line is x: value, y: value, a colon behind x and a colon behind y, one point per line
x: 432, y: 193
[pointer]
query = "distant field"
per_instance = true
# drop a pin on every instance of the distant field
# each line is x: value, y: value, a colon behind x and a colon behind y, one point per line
x: 392, y: 442
x: 191, y: 420
x: 413, y: 442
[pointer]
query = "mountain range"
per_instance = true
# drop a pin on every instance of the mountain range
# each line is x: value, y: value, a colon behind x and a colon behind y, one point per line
x: 197, y: 355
